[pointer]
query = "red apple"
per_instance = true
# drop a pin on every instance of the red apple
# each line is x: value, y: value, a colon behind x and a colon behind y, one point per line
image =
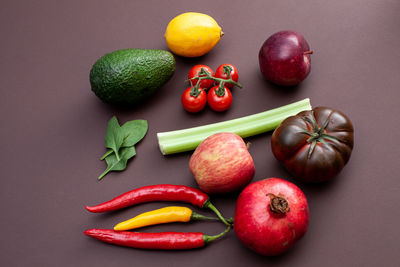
x: 222, y: 164
x: 271, y: 215
x: 285, y: 58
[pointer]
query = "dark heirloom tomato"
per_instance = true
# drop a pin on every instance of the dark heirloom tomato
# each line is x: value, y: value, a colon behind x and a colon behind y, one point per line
x: 314, y: 145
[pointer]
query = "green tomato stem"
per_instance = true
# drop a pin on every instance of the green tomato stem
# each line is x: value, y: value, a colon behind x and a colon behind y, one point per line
x: 188, y: 139
x: 220, y: 91
x: 318, y: 134
x: 195, y: 90
x: 208, y: 76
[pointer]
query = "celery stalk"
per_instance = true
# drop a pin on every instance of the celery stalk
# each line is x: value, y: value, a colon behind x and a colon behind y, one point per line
x: 188, y: 139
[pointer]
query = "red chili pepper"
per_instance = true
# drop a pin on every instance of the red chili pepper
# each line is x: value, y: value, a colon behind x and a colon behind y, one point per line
x: 163, y: 240
x: 161, y: 192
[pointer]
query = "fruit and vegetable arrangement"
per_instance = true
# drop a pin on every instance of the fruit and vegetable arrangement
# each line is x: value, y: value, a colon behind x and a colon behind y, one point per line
x: 271, y: 214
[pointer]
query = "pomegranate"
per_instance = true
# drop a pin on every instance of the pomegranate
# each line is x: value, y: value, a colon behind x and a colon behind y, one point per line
x: 271, y: 215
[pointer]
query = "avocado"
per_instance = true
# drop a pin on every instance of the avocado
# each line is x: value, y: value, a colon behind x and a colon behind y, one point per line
x: 130, y: 76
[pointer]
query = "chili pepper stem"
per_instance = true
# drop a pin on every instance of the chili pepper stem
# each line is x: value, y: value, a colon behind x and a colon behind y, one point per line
x: 196, y: 216
x: 209, y: 205
x: 209, y: 238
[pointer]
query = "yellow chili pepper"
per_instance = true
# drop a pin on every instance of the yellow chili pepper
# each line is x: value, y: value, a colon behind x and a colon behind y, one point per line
x: 159, y: 216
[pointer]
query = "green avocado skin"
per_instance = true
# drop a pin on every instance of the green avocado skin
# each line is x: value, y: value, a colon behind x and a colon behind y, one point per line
x: 130, y: 76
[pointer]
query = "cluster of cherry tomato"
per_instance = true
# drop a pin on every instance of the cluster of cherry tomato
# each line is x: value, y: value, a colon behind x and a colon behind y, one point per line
x: 205, y: 86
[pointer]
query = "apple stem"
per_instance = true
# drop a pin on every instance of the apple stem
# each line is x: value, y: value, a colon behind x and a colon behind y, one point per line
x: 248, y: 145
x: 309, y: 52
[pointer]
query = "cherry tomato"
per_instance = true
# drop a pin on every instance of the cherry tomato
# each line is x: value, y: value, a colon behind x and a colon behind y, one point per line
x: 194, y: 72
x: 219, y: 73
x: 192, y: 103
x: 219, y: 103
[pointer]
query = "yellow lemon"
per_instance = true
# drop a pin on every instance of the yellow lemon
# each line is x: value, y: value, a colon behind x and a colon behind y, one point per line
x: 192, y: 34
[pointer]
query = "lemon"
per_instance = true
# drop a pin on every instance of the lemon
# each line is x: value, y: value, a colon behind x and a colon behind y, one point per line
x: 192, y: 34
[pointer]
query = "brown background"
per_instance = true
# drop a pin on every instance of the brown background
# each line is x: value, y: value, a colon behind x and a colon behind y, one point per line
x: 53, y: 127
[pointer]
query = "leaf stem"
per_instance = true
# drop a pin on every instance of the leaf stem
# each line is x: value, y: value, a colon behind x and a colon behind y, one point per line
x: 109, y: 152
x: 105, y: 172
x: 117, y: 155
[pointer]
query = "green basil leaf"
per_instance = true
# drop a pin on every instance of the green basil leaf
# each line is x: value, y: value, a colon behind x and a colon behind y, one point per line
x: 115, y: 164
x: 133, y: 131
x: 114, y: 136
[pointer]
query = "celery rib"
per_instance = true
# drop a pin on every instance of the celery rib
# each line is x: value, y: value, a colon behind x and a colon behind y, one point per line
x: 188, y: 139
